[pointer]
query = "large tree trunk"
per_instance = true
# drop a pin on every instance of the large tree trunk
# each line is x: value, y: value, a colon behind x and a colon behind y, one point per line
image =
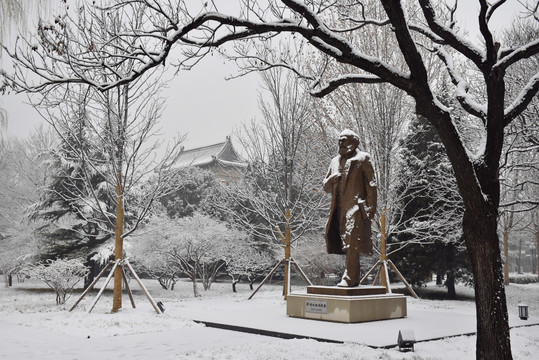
x: 479, y: 187
x: 480, y: 224
x: 506, y: 256
x: 482, y: 242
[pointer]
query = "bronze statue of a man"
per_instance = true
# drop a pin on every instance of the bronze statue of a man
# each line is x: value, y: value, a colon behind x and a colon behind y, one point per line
x: 350, y: 180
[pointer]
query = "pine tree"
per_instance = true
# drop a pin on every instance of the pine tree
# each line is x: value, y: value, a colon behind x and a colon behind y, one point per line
x: 191, y: 188
x: 73, y: 228
x: 430, y: 202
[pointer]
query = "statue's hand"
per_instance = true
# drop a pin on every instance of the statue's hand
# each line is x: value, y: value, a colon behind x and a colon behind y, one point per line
x: 333, y: 178
x: 330, y: 180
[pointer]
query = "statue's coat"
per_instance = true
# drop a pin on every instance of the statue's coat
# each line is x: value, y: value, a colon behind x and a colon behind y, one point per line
x: 352, y: 202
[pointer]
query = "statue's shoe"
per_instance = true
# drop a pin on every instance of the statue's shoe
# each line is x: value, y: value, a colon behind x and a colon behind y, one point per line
x: 345, y: 283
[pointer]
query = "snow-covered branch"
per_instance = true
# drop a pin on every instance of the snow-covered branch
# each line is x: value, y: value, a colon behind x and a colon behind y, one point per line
x: 461, y: 87
x: 449, y: 35
x: 522, y: 100
x: 335, y: 83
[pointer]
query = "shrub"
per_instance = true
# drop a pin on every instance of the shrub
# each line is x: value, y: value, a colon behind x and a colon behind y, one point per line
x: 60, y: 275
x: 523, y: 278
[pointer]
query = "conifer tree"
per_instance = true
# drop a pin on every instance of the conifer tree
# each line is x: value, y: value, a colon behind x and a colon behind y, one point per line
x: 72, y: 226
x: 431, y: 202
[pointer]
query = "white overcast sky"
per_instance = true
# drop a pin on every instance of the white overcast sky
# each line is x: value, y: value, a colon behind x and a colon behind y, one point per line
x: 206, y: 107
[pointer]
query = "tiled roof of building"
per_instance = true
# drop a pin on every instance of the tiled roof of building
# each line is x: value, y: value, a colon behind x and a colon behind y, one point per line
x: 199, y: 156
x: 223, y: 152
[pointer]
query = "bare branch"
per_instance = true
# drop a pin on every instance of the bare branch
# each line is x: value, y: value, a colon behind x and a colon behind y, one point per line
x: 343, y: 80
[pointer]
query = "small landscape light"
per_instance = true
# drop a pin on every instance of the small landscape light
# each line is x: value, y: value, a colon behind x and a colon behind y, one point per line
x: 406, y: 340
x: 161, y: 306
x: 523, y: 311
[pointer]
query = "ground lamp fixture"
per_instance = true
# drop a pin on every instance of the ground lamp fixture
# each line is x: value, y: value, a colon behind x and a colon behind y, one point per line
x: 161, y: 306
x: 406, y: 340
x: 523, y: 311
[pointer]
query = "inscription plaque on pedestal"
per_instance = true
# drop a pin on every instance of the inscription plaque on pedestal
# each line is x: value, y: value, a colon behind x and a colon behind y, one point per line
x: 316, y: 306
x: 369, y: 303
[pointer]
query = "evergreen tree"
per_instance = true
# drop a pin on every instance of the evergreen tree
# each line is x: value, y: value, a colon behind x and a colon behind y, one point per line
x: 430, y: 202
x: 190, y: 192
x: 72, y: 226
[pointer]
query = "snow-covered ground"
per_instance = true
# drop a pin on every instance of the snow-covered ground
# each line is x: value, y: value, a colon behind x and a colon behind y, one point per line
x: 33, y: 327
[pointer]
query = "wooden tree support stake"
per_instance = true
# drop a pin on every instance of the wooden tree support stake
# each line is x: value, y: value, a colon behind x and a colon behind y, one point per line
x: 89, y: 288
x: 146, y: 292
x: 382, y: 268
x: 122, y: 263
x: 382, y: 273
x: 124, y: 276
x: 104, y: 285
x: 290, y: 261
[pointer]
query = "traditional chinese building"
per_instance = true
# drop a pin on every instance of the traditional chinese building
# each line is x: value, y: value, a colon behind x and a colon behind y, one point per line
x: 221, y: 159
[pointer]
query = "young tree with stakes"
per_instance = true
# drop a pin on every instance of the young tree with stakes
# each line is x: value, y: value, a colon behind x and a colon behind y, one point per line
x: 434, y: 31
x: 278, y: 197
x: 117, y: 148
x: 117, y: 143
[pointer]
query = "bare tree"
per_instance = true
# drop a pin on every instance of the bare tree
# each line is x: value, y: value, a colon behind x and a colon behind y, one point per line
x: 196, y: 246
x: 118, y: 143
x: 519, y: 168
x: 15, y: 15
x: 23, y: 171
x: 245, y: 260
x: 60, y: 275
x: 475, y: 164
x: 278, y: 199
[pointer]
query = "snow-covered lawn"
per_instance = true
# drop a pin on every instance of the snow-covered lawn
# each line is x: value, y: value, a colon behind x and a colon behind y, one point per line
x: 33, y: 327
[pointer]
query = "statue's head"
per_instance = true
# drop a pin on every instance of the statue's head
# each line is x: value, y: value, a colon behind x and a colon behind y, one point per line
x: 348, y: 142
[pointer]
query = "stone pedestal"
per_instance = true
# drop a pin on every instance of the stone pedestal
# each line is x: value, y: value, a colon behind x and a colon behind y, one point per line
x: 346, y: 305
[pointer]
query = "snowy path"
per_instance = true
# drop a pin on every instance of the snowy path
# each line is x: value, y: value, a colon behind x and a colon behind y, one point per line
x: 33, y: 328
x: 427, y: 324
x: 23, y: 342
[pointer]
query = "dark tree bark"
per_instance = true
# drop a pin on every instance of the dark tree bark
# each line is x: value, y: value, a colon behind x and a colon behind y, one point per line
x: 484, y: 251
x: 235, y: 281
x: 163, y: 283
x: 94, y: 269
x: 439, y: 278
x: 479, y: 186
x: 251, y: 282
x: 450, y: 284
